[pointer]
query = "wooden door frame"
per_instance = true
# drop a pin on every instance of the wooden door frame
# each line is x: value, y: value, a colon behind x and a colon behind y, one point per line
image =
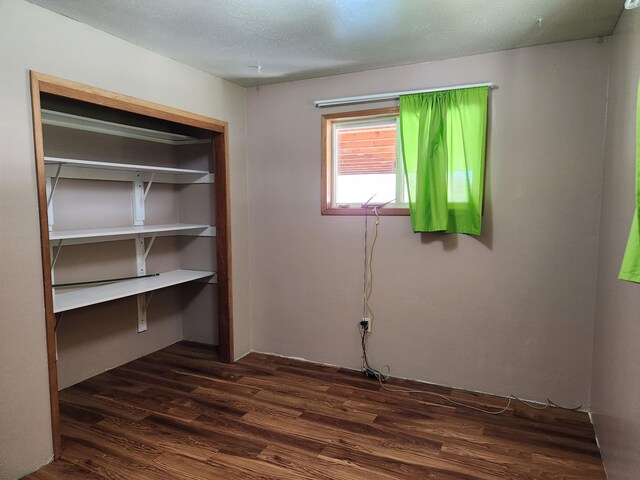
x: 42, y: 83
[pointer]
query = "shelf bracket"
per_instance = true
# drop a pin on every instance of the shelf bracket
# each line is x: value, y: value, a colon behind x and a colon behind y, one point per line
x: 148, y: 301
x: 146, y: 190
x: 143, y: 301
x: 58, y: 320
x: 148, y: 249
x: 56, y: 255
x: 54, y: 185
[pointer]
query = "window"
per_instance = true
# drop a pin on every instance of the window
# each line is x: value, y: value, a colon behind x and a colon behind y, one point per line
x: 362, y: 161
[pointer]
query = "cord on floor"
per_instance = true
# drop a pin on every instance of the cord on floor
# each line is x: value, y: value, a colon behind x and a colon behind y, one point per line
x: 372, y: 372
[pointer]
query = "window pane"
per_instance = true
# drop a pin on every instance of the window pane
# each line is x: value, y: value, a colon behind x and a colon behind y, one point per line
x: 360, y: 188
x: 365, y: 161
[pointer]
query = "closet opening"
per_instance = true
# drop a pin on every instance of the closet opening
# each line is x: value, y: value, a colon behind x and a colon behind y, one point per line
x: 135, y: 232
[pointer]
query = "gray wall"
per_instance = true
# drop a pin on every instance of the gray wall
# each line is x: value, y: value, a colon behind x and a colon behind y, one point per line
x: 510, y: 312
x: 34, y: 38
x: 616, y: 365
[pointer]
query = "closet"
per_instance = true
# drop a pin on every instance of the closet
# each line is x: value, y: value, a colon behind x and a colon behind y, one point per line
x: 134, y: 220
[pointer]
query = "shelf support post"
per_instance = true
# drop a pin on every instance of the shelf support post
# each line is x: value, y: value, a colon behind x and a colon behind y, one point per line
x: 140, y: 256
x: 138, y: 200
x: 142, y: 312
x: 141, y: 266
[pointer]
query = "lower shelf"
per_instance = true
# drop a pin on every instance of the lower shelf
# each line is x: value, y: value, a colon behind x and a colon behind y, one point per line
x: 83, y: 297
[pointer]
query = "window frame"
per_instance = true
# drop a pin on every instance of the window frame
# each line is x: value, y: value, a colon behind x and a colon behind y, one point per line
x: 328, y: 174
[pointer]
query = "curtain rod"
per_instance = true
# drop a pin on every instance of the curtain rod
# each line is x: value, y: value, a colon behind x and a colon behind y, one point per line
x: 377, y: 97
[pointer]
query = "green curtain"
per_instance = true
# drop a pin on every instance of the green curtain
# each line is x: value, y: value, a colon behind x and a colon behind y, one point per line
x: 443, y: 138
x: 630, y: 269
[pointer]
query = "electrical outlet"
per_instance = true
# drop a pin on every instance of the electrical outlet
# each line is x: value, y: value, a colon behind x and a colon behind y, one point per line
x: 367, y: 327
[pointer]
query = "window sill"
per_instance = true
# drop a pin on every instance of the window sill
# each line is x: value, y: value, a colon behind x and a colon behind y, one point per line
x: 369, y: 211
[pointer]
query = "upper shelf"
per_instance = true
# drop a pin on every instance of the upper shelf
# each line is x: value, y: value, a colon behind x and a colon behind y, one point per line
x: 90, y: 169
x: 77, y: 122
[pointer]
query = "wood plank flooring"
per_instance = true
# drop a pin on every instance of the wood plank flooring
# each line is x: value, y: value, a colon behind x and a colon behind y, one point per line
x: 179, y: 414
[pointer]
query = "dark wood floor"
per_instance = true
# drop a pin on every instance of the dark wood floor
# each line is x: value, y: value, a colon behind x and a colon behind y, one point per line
x: 178, y: 414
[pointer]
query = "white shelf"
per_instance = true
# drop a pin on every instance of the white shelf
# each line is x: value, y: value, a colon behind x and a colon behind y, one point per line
x: 92, y: 235
x: 121, y: 166
x: 90, y: 169
x: 88, y: 124
x: 83, y: 297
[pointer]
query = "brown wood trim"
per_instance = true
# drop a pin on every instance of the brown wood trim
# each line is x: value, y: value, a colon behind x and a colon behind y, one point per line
x: 326, y: 182
x: 361, y: 211
x: 223, y: 247
x: 354, y: 115
x: 98, y: 96
x: 45, y: 253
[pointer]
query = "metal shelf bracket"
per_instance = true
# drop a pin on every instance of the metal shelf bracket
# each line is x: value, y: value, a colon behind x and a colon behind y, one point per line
x: 146, y: 191
x: 54, y: 185
x: 147, y: 301
x: 148, y: 249
x: 56, y: 255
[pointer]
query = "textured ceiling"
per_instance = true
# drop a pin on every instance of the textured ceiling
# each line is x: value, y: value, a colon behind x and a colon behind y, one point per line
x: 295, y: 39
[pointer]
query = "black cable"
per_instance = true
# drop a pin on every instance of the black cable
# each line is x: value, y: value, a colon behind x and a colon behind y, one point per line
x: 108, y: 280
x: 367, y: 369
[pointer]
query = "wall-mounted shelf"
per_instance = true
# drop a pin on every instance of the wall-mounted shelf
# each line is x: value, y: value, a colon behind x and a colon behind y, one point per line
x: 93, y: 235
x: 83, y: 297
x: 88, y: 124
x: 126, y: 172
